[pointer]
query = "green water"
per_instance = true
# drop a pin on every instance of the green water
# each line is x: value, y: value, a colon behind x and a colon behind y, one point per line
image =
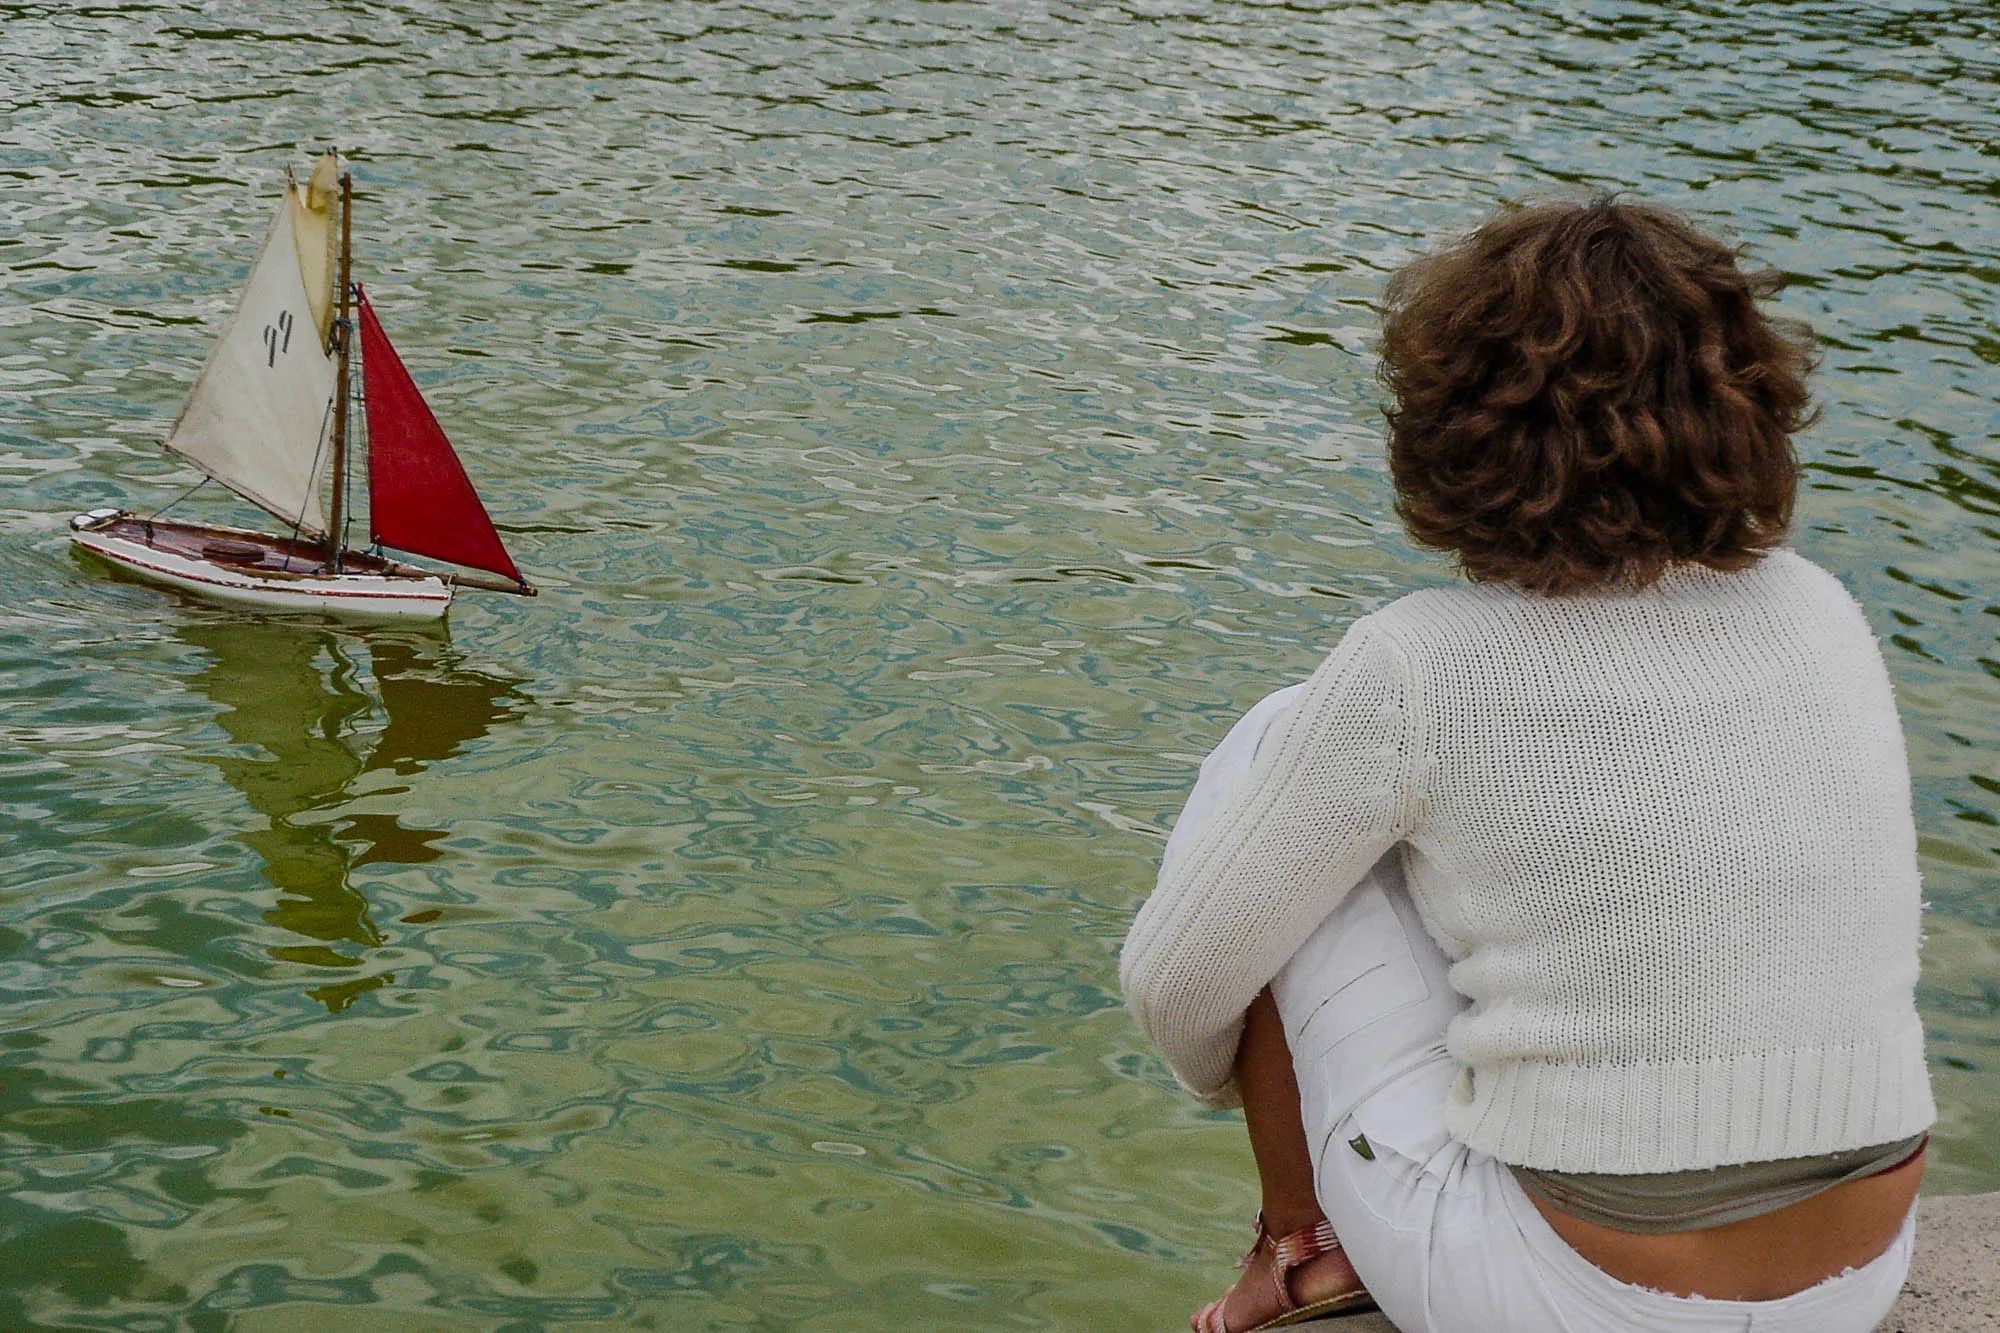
x: 930, y: 424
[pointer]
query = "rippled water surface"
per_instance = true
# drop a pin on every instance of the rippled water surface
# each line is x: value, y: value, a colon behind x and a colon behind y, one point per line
x: 930, y: 424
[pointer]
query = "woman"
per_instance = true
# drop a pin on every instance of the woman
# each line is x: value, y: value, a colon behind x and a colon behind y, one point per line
x: 1559, y: 935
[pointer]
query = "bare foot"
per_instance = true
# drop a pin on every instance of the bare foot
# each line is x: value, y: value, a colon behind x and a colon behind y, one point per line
x: 1253, y: 1302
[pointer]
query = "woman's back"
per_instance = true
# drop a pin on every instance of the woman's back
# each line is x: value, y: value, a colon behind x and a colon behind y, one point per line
x: 1665, y: 835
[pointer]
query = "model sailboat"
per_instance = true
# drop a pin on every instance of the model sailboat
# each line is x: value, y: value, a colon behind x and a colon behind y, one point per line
x: 268, y: 418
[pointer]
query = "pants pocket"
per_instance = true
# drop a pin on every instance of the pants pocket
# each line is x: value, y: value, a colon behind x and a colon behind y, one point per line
x: 1405, y: 1122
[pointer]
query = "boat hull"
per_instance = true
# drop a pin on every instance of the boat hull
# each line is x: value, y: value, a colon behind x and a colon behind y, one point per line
x: 244, y: 568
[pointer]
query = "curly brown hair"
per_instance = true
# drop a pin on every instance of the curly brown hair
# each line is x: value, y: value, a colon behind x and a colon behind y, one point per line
x: 1586, y: 393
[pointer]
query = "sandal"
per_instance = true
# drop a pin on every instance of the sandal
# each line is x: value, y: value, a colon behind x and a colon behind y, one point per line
x: 1290, y: 1252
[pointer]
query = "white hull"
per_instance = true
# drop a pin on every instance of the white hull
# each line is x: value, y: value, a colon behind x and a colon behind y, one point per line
x: 356, y: 594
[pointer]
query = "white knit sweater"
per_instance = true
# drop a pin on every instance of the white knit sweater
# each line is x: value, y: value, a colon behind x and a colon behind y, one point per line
x: 1664, y: 836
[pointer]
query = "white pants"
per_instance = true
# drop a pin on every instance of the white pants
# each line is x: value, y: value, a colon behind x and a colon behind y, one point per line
x: 1444, y: 1238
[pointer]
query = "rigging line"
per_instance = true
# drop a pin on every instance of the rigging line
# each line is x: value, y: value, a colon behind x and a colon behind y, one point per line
x: 355, y: 393
x: 319, y: 450
x: 344, y: 330
x: 177, y: 499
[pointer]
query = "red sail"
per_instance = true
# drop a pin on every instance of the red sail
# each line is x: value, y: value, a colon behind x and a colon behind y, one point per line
x: 419, y: 498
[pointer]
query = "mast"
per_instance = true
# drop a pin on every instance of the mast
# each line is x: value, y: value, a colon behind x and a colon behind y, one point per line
x: 336, y: 517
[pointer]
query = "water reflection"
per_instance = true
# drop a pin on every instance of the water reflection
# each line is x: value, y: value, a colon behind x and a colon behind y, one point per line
x: 294, y: 701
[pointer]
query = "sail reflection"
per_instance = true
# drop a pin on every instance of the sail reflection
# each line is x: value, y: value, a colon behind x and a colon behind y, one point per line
x: 294, y: 699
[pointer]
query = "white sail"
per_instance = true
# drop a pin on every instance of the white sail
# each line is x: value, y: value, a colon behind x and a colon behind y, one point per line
x: 313, y: 230
x: 257, y: 418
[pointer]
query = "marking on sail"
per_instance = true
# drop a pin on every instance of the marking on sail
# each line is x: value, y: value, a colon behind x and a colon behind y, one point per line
x: 277, y: 338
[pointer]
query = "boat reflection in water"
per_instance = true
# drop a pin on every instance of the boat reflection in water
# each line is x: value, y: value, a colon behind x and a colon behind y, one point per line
x: 295, y: 700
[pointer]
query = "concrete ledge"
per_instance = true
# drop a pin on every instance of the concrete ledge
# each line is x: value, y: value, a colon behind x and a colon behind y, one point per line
x: 1953, y: 1287
x: 1954, y: 1283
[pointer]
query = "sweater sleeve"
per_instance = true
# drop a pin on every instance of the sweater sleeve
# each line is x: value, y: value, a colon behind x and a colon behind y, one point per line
x: 1326, y: 796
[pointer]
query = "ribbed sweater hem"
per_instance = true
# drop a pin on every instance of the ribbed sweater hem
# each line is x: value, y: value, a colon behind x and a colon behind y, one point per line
x: 1690, y: 1115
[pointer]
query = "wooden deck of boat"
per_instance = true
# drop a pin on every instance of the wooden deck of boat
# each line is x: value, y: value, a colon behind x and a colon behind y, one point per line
x: 253, y: 552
